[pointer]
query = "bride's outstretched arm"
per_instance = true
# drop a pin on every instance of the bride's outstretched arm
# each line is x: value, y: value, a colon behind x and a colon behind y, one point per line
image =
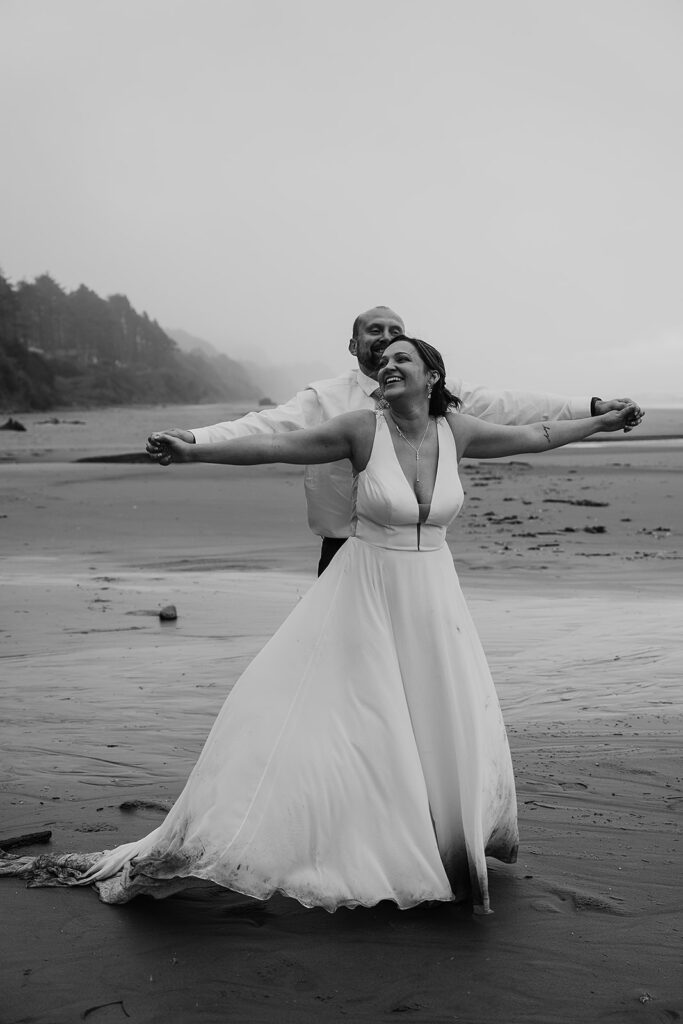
x: 479, y: 440
x: 337, y: 439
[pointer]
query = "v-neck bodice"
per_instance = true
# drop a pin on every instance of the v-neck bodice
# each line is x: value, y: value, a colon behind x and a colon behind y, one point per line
x: 386, y: 509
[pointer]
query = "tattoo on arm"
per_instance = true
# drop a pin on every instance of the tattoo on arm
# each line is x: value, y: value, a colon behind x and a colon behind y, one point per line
x: 546, y: 431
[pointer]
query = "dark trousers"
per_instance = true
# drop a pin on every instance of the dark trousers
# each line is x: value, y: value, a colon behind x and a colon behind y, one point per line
x: 329, y: 549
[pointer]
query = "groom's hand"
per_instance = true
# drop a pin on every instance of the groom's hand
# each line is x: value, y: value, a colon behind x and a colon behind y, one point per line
x: 159, y: 451
x: 616, y: 405
x: 617, y: 419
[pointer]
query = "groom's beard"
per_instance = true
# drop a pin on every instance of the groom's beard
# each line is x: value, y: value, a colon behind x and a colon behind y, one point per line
x: 370, y: 365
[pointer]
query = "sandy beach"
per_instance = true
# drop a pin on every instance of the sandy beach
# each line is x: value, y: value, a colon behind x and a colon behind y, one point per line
x: 572, y: 563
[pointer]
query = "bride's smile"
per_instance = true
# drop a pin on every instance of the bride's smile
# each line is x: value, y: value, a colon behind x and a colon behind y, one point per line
x: 399, y: 367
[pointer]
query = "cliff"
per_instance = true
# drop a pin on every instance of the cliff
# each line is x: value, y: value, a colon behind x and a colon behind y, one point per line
x: 60, y: 349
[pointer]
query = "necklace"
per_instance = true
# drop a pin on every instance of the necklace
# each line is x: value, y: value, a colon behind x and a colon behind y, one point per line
x: 416, y: 449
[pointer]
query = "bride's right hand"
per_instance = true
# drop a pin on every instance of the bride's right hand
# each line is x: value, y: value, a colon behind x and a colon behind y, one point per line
x: 170, y: 446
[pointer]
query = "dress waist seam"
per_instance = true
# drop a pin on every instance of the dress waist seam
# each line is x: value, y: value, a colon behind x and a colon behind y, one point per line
x: 422, y: 550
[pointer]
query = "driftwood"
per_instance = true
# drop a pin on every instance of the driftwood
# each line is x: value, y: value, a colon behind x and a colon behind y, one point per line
x: 27, y: 839
x: 12, y: 424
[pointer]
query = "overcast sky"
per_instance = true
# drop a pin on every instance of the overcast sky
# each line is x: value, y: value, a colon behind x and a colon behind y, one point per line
x: 507, y: 174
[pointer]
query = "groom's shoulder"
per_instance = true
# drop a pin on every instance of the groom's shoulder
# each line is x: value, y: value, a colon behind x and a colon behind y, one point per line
x: 338, y: 394
x: 344, y: 383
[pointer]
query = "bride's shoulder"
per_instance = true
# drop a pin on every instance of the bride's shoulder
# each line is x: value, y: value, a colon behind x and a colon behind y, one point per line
x: 362, y: 416
x: 359, y: 421
x: 460, y: 423
x: 359, y: 427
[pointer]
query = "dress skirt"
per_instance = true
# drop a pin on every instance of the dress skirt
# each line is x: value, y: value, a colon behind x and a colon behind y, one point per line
x: 362, y: 755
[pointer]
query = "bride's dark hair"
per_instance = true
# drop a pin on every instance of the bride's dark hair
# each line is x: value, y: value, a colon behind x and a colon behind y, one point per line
x: 442, y: 400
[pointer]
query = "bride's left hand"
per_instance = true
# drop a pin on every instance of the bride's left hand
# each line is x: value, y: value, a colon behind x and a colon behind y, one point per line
x: 617, y: 405
x: 165, y: 448
x: 626, y: 418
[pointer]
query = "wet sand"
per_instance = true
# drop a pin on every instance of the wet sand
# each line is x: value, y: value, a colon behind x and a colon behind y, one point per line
x: 572, y: 564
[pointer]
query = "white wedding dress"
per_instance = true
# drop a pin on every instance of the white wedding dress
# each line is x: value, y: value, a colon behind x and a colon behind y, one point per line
x: 362, y: 756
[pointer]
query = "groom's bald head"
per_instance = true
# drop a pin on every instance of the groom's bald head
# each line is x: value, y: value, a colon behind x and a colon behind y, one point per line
x: 376, y: 313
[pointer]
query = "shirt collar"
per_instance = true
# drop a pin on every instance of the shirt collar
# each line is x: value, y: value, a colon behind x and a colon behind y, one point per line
x: 367, y: 384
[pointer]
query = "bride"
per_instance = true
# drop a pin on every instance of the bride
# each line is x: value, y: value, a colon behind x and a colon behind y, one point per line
x: 362, y: 756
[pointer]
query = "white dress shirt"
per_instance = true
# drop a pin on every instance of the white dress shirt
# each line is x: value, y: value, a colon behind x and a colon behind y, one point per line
x: 329, y: 487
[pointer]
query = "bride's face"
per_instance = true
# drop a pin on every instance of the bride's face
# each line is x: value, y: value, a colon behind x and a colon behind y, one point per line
x: 402, y: 372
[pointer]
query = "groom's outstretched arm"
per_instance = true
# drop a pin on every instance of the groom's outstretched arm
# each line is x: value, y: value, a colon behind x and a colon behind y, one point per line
x: 301, y: 412
x: 519, y: 407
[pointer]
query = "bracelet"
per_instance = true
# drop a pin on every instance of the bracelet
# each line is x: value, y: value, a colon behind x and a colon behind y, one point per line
x: 594, y: 402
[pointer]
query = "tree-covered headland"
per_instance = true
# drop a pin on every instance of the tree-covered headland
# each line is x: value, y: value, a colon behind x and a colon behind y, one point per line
x: 61, y: 349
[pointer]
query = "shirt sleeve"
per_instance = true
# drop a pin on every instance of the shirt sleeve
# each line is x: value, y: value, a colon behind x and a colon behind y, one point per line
x: 300, y: 412
x: 517, y: 407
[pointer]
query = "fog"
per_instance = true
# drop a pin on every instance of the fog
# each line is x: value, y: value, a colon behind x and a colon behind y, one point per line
x: 507, y: 176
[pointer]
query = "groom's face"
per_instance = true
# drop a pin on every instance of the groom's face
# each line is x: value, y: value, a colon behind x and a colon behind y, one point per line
x: 374, y: 330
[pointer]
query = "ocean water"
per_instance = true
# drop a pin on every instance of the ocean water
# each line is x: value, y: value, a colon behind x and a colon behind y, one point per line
x: 124, y: 429
x: 80, y: 433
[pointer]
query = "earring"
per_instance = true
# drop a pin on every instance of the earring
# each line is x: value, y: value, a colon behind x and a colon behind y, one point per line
x: 430, y: 388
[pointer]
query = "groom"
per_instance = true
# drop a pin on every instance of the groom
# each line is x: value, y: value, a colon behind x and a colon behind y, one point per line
x: 329, y: 487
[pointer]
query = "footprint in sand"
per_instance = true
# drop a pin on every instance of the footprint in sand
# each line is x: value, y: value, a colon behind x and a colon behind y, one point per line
x: 563, y: 901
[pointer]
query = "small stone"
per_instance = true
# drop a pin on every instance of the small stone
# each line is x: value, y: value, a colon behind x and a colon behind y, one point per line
x: 168, y: 613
